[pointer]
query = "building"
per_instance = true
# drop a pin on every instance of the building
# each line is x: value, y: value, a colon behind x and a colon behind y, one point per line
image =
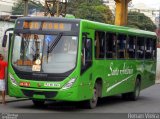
x: 6, y: 6
x: 3, y: 26
x: 111, y: 4
x: 152, y: 13
x: 157, y: 21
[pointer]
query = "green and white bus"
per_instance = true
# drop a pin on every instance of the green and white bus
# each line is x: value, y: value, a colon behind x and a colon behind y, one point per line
x: 78, y: 60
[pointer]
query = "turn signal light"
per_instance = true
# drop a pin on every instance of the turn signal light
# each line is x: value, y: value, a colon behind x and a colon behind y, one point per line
x: 24, y: 84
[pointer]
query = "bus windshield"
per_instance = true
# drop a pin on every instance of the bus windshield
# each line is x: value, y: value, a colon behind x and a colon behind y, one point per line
x: 32, y: 53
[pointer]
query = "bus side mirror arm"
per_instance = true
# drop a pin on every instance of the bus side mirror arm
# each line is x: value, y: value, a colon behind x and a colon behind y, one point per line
x: 4, y: 41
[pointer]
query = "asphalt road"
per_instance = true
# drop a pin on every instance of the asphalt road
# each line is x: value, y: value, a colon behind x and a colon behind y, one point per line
x: 149, y: 101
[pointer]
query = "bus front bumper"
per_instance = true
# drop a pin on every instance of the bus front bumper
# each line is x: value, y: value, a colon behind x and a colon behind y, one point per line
x: 73, y: 94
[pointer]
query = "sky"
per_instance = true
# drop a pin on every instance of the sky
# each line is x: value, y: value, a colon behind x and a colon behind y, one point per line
x: 149, y: 3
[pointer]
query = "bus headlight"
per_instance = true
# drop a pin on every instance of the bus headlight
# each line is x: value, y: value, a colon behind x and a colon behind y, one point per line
x: 69, y: 84
x: 13, y: 81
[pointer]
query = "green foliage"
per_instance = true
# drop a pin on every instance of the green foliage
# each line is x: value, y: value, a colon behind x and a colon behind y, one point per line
x: 93, y: 10
x: 18, y: 8
x: 139, y: 20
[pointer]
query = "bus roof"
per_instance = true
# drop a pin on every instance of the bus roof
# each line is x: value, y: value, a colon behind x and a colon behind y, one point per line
x: 117, y: 29
x: 49, y: 19
x: 94, y: 25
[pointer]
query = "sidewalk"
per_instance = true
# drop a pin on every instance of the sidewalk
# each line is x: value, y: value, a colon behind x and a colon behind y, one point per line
x: 158, y: 81
x: 12, y: 99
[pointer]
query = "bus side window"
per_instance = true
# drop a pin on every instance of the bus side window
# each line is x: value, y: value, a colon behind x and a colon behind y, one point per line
x: 111, y: 45
x: 131, y: 47
x: 154, y: 48
x: 148, y: 48
x: 121, y: 46
x: 99, y: 45
x: 140, y: 47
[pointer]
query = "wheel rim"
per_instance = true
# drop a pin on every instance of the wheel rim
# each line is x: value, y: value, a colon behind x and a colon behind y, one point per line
x: 137, y: 90
x: 95, y: 97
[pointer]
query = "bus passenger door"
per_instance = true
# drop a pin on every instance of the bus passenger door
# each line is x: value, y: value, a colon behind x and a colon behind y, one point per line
x: 86, y: 54
x: 86, y: 63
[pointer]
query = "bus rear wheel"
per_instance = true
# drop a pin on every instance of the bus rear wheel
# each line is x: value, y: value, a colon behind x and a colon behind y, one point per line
x: 38, y: 103
x: 92, y: 103
x: 135, y: 94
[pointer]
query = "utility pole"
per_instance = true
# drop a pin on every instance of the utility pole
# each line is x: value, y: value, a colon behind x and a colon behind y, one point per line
x: 25, y: 7
x: 55, y: 7
x: 121, y: 17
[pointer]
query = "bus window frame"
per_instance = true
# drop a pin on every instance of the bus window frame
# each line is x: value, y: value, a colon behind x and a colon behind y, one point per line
x: 154, y: 57
x: 151, y: 40
x: 143, y: 48
x: 95, y: 51
x: 125, y: 48
x: 113, y: 33
x: 135, y: 43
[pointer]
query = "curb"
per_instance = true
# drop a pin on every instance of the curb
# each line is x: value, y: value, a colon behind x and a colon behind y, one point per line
x: 9, y: 100
x: 16, y: 100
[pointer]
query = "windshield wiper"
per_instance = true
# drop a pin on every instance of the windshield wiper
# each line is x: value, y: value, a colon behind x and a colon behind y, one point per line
x: 54, y: 43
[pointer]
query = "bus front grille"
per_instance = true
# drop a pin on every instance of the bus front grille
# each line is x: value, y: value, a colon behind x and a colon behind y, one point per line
x: 47, y: 94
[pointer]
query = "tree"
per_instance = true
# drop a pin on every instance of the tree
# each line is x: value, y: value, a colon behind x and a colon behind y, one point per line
x: 93, y: 10
x: 32, y: 6
x: 139, y: 20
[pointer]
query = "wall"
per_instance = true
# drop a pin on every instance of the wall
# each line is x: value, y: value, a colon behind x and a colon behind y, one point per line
x: 3, y: 27
x: 158, y: 65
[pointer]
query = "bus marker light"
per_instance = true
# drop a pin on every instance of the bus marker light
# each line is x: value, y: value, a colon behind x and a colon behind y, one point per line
x: 24, y: 84
x: 39, y: 85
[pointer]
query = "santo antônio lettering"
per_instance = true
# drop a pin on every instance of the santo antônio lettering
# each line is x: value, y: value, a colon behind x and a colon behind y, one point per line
x: 114, y: 71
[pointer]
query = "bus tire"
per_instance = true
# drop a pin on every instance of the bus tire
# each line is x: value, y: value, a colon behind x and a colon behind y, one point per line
x: 38, y: 103
x: 92, y: 103
x: 135, y: 95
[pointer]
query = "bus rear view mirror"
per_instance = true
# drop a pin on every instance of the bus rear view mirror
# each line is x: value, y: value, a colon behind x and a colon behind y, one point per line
x: 5, y: 37
x: 4, y: 41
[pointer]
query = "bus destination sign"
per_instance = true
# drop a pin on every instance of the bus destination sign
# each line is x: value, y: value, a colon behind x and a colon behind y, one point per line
x: 47, y: 26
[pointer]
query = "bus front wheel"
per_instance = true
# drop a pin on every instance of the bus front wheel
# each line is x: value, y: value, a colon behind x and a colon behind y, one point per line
x: 38, y: 103
x: 92, y: 103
